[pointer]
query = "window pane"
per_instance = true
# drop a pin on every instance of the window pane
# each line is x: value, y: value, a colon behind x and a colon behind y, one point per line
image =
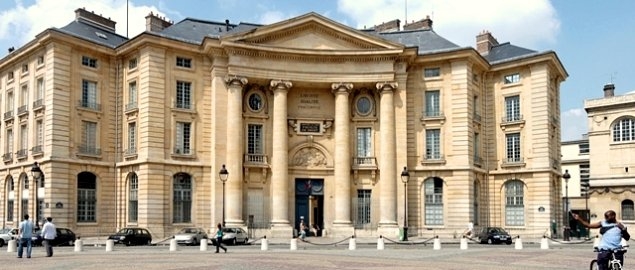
x: 433, y: 144
x: 364, y: 142
x: 254, y: 139
x: 433, y: 105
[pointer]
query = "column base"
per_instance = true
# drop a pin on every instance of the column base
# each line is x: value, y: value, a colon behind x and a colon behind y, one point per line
x: 281, y: 231
x: 390, y: 230
x: 235, y: 223
x: 343, y: 229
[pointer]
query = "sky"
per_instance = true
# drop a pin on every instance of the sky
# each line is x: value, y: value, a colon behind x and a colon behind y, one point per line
x: 593, y: 39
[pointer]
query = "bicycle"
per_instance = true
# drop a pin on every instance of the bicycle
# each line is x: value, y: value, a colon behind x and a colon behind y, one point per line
x: 614, y: 263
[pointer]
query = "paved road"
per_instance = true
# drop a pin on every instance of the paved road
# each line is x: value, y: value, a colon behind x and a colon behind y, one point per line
x: 308, y: 257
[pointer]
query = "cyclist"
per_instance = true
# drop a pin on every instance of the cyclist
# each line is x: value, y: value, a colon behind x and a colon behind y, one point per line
x: 612, y: 233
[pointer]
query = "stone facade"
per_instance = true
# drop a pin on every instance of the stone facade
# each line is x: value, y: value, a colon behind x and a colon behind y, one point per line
x: 313, y: 120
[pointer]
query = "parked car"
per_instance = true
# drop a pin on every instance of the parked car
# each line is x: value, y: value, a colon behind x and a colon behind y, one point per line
x: 190, y: 236
x: 65, y: 237
x: 233, y: 236
x: 132, y: 236
x: 494, y: 235
x: 7, y: 235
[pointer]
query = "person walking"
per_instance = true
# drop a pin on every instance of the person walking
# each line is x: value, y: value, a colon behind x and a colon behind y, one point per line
x: 219, y: 238
x: 48, y: 234
x: 612, y: 233
x: 25, y: 231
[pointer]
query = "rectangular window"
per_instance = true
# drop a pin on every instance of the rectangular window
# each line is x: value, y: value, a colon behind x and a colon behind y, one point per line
x: 584, y: 148
x: 25, y: 69
x: 182, y: 146
x: 39, y: 135
x: 432, y: 103
x: 86, y: 205
x: 40, y: 60
x: 40, y: 89
x: 433, y: 192
x: 25, y: 207
x: 364, y: 142
x: 183, y: 95
x: 513, y: 147
x: 9, y: 145
x: 24, y: 95
x: 132, y: 63
x: 477, y: 148
x: 89, y: 95
x: 512, y: 78
x: 89, y: 62
x: 10, y: 101
x: 431, y: 72
x: 183, y: 62
x: 433, y: 144
x: 132, y: 137
x: 514, y: 204
x: 10, y: 76
x: 585, y: 174
x: 254, y: 139
x: 10, y: 210
x: 24, y: 139
x: 363, y: 207
x: 132, y: 96
x: 512, y: 109
x: 89, y: 138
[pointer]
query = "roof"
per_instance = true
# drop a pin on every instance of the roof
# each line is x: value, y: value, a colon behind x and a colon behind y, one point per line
x: 426, y: 40
x: 194, y: 30
x: 506, y: 52
x: 88, y: 31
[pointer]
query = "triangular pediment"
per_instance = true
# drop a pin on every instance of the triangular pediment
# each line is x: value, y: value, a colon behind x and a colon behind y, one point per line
x: 311, y: 32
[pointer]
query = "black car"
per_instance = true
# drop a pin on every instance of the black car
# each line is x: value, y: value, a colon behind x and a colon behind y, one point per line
x: 65, y: 237
x: 494, y: 235
x: 132, y: 236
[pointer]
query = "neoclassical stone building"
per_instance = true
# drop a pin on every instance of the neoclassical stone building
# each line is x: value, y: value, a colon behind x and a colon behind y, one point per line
x: 312, y: 119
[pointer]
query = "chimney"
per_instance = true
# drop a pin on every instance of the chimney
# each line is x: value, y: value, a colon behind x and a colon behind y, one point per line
x: 484, y: 42
x: 609, y: 90
x: 425, y: 24
x: 391, y: 26
x: 154, y: 23
x: 226, y: 25
x: 102, y: 22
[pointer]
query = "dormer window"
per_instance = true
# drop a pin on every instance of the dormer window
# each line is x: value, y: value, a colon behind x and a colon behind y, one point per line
x: 89, y: 62
x: 184, y: 62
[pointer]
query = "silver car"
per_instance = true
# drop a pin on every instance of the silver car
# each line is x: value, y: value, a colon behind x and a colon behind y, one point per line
x: 234, y: 236
x: 190, y: 236
x: 7, y: 235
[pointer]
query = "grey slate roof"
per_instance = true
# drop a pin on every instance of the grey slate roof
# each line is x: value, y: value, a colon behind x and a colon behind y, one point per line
x: 427, y: 41
x: 194, y: 30
x: 505, y: 52
x: 88, y: 31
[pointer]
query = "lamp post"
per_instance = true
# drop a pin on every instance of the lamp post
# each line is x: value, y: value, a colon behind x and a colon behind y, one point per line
x: 223, y: 174
x: 567, y: 230
x: 36, y: 172
x: 405, y: 176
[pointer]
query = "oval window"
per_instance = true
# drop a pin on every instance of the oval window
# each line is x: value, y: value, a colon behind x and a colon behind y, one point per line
x: 364, y: 105
x: 255, y: 102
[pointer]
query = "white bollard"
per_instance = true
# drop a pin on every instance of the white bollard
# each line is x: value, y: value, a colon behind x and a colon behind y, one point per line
x: 463, y: 244
x: 264, y: 244
x: 380, y: 243
x: 436, y: 243
x: 12, y: 246
x: 204, y: 244
x: 109, y: 245
x: 352, y: 244
x: 173, y: 245
x: 544, y: 243
x: 519, y: 243
x: 294, y: 244
x: 596, y: 242
x: 79, y: 245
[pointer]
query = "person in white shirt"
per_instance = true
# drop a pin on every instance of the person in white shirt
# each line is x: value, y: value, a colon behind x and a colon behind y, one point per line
x: 48, y: 234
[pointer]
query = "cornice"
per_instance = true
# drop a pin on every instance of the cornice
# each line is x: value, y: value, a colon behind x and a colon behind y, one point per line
x: 314, y: 55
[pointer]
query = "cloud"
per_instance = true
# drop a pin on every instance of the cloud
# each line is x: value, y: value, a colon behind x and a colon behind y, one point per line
x: 461, y: 20
x: 25, y: 22
x: 574, y: 124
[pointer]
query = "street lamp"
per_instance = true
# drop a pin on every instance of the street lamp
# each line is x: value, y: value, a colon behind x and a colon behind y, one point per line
x: 405, y: 176
x: 567, y: 230
x: 36, y: 172
x: 223, y: 174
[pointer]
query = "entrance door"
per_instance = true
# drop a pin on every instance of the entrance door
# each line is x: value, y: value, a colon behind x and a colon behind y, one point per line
x: 309, y: 204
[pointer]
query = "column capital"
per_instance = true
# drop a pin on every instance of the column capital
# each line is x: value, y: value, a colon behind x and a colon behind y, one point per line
x: 383, y: 87
x: 341, y: 88
x: 235, y: 80
x: 280, y: 85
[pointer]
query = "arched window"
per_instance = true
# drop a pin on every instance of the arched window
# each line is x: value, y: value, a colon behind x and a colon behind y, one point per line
x: 133, y: 198
x: 86, y: 197
x: 25, y: 199
x: 628, y: 211
x: 182, y: 211
x: 477, y: 190
x: 514, y: 203
x: 624, y: 130
x: 10, y: 194
x: 433, y: 192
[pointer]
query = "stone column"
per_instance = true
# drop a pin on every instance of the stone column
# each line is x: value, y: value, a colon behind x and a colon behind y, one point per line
x: 280, y: 161
x: 342, y: 170
x: 388, y: 164
x: 233, y: 157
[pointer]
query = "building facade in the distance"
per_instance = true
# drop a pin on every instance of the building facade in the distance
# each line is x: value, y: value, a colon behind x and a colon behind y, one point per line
x: 312, y: 119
